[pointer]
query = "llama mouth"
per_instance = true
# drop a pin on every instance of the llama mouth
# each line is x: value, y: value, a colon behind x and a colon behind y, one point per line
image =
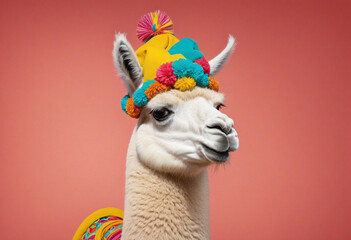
x: 214, y: 155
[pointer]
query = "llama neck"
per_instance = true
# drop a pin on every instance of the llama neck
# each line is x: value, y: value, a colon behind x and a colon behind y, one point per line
x: 160, y: 206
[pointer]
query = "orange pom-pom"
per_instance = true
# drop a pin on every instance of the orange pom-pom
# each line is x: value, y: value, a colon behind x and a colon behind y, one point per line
x: 156, y: 88
x: 132, y: 110
x: 213, y: 83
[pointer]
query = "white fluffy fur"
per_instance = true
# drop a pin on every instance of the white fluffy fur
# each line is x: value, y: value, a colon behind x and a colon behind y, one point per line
x: 163, y: 206
x: 123, y: 51
x: 166, y: 175
x: 176, y: 145
x: 219, y: 61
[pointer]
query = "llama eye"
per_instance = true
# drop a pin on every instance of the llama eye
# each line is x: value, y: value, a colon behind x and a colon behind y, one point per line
x: 219, y: 106
x: 161, y: 114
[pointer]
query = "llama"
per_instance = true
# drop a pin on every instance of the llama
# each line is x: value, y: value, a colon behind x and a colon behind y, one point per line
x: 180, y: 132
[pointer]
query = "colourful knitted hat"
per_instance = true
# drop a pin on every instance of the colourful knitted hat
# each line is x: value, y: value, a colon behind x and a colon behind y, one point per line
x: 167, y: 63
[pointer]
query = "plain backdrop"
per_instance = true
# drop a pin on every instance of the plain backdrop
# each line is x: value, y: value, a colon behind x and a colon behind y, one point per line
x: 64, y: 137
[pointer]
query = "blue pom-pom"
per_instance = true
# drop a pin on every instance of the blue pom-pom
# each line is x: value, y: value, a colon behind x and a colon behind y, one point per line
x: 147, y: 84
x: 140, y: 98
x: 203, y: 81
x: 182, y: 67
x: 197, y: 72
x: 124, y: 102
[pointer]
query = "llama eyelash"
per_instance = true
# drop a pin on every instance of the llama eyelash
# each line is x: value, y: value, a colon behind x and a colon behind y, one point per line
x: 219, y: 106
x: 155, y: 109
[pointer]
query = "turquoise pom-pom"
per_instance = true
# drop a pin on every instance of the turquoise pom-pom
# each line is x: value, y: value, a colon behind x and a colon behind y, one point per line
x: 147, y: 84
x: 182, y: 67
x: 203, y: 81
x: 140, y: 98
x: 124, y: 103
x: 197, y: 72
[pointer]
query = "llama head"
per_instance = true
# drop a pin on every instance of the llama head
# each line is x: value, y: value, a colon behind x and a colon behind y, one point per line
x: 180, y: 128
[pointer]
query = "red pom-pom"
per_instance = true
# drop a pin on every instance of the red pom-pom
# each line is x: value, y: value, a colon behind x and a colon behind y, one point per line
x: 164, y: 74
x: 204, y: 64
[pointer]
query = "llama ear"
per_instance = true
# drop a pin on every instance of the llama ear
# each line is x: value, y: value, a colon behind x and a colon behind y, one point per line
x: 126, y: 63
x: 219, y: 61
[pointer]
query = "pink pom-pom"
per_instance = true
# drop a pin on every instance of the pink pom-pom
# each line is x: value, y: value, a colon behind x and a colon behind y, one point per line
x: 153, y: 24
x: 165, y: 74
x: 204, y: 64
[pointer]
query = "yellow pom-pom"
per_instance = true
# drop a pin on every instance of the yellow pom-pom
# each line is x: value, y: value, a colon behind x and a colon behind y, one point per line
x: 185, y: 83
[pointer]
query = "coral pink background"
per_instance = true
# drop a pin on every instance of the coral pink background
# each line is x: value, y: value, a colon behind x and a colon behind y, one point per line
x: 63, y: 136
